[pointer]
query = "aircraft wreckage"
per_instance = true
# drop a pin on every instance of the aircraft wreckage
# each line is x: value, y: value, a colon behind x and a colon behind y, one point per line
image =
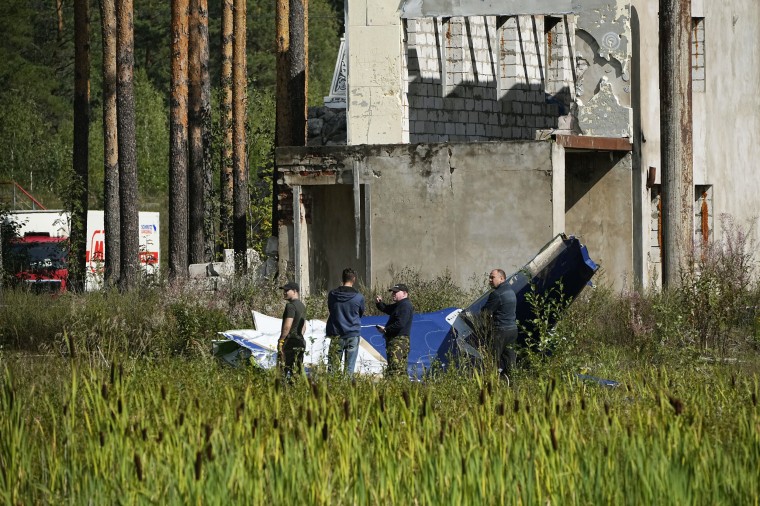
x: 557, y: 273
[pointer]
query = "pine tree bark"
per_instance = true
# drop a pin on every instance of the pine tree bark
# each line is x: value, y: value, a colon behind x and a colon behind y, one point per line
x: 198, y: 134
x: 226, y: 179
x: 110, y: 143
x: 239, y: 159
x: 292, y: 49
x: 59, y: 16
x: 178, y: 166
x: 125, y: 112
x: 79, y: 183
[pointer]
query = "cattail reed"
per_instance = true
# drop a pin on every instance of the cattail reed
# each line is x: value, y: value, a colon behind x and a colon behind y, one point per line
x: 482, y: 397
x: 516, y: 407
x: 553, y: 435
x: 406, y: 397
x: 104, y: 391
x: 677, y: 404
x: 501, y: 409
x: 163, y: 392
x: 325, y: 432
x: 346, y: 409
x: 314, y: 389
x: 198, y: 465
x: 381, y: 398
x: 138, y: 467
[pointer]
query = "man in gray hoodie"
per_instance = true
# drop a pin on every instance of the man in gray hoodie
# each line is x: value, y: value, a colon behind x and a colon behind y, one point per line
x: 346, y: 306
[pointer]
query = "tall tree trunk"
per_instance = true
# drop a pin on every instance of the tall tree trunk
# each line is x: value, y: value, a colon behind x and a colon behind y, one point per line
x: 225, y: 183
x: 209, y: 216
x: 198, y: 133
x: 239, y: 159
x: 298, y: 66
x: 292, y: 80
x: 110, y: 143
x: 59, y: 15
x: 676, y: 138
x: 125, y: 112
x: 79, y: 186
x: 178, y: 173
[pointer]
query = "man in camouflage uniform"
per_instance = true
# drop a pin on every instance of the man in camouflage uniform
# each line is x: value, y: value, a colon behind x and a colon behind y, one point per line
x: 398, y: 329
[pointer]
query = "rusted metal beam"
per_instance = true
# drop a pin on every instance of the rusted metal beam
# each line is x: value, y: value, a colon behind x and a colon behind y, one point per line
x: 594, y: 143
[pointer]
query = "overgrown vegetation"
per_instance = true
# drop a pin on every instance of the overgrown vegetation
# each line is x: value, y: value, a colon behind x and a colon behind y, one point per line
x: 121, y: 402
x: 176, y: 433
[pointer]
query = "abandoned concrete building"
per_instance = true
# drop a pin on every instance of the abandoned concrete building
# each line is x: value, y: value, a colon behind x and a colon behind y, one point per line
x: 476, y: 130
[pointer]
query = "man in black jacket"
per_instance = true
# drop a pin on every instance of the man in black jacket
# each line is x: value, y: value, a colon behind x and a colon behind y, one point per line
x: 346, y: 306
x: 398, y: 329
x: 501, y: 307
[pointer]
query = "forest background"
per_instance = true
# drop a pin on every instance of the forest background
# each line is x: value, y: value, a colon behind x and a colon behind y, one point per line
x: 37, y: 90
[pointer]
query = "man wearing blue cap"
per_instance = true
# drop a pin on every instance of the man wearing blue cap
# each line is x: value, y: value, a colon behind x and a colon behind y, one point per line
x: 398, y: 329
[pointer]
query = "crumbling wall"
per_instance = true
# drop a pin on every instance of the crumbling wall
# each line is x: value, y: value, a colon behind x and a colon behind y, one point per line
x: 465, y: 208
x: 483, y: 78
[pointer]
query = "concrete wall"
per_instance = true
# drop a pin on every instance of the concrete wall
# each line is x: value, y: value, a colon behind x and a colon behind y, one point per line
x: 466, y: 76
x: 483, y: 78
x: 463, y: 207
x: 332, y: 236
x: 374, y: 38
x: 599, y: 211
x: 725, y: 119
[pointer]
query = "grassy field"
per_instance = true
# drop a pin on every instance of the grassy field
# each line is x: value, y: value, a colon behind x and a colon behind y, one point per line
x: 111, y: 398
x: 188, y: 431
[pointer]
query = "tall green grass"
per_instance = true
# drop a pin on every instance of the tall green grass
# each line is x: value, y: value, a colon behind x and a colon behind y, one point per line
x: 178, y: 432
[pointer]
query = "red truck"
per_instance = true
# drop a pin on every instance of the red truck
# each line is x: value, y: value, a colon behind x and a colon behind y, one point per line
x: 39, y: 261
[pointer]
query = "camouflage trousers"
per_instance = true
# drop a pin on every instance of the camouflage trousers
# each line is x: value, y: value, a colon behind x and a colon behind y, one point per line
x: 290, y: 356
x: 397, y: 351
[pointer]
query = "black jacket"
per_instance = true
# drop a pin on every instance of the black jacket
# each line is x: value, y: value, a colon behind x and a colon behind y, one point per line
x: 502, y: 304
x: 400, y: 321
